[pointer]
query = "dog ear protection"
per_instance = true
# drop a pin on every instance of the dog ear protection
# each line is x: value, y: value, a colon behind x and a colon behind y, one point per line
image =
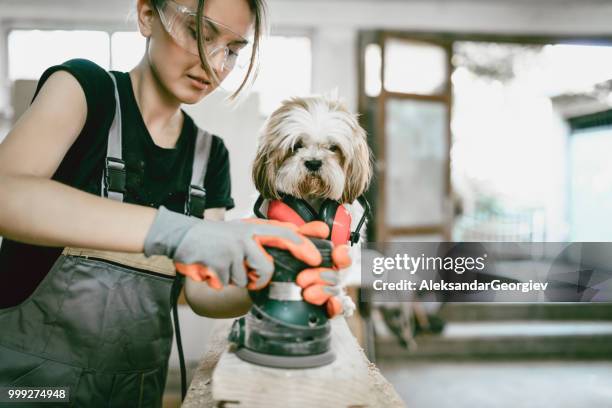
x: 298, y: 212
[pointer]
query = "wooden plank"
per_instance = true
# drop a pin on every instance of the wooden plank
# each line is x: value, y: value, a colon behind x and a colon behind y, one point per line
x: 351, y: 381
x: 199, y: 393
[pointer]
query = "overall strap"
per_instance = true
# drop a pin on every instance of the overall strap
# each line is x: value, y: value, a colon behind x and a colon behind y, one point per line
x: 194, y: 206
x: 113, y: 178
x: 196, y: 197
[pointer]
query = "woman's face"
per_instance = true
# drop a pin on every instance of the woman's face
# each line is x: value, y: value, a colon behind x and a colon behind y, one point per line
x: 178, y: 70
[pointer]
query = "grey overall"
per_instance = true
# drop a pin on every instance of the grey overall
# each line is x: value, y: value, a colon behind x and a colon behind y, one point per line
x: 99, y: 322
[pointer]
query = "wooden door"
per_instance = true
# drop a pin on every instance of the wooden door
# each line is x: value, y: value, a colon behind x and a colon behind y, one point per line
x: 405, y: 98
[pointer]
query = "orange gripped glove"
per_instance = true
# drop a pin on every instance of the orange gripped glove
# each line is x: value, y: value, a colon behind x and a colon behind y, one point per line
x: 320, y: 285
x: 234, y: 251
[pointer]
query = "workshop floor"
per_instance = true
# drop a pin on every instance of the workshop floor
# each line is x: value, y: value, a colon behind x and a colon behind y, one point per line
x: 492, y: 384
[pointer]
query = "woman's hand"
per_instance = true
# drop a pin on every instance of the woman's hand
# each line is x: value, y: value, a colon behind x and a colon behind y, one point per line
x: 321, y: 286
x: 224, y: 252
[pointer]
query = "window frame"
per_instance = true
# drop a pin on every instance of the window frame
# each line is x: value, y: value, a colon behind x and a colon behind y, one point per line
x: 376, y: 122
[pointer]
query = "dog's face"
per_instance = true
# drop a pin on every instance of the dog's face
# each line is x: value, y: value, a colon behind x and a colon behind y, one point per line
x: 312, y: 148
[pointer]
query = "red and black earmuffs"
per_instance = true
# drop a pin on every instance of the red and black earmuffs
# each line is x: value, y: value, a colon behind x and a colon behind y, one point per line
x: 298, y: 212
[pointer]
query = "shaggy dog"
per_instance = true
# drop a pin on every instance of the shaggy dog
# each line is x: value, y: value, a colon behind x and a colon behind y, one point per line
x: 314, y: 149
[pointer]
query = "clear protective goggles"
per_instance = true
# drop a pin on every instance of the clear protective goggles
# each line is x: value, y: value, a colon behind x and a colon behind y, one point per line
x: 181, y: 23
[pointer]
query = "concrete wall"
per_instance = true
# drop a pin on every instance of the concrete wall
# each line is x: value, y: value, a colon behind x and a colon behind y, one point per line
x: 239, y: 127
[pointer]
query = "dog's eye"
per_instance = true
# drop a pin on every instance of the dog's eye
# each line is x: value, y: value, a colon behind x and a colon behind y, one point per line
x: 334, y: 148
x: 298, y: 145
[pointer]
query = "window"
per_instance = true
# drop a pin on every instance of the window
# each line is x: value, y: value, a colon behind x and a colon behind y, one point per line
x: 373, y: 65
x: 415, y: 67
x: 590, y: 187
x: 285, y: 70
x: 31, y: 52
x: 510, y: 135
x: 127, y: 49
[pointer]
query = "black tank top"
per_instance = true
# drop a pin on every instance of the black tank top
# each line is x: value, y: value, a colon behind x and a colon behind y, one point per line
x: 155, y: 176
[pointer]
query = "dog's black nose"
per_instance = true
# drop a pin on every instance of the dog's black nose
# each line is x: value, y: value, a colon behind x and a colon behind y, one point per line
x: 313, y: 165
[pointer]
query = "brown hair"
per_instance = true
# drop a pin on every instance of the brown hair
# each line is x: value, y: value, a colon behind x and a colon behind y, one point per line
x: 259, y: 10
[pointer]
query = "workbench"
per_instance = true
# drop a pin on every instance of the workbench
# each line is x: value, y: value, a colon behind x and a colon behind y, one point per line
x: 223, y: 380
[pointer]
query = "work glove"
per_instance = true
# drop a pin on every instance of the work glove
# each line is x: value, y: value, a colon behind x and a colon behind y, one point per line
x: 320, y: 285
x: 222, y: 252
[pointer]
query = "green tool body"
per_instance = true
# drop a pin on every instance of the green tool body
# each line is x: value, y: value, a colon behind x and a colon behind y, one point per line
x: 281, y: 329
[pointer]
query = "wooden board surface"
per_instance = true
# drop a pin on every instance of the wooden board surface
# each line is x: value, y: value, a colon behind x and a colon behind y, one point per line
x: 223, y: 380
x: 199, y: 393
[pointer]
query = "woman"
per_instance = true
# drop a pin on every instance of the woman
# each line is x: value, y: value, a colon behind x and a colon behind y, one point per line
x: 77, y: 310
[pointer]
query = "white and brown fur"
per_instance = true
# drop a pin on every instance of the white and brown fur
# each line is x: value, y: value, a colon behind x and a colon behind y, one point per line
x: 314, y: 148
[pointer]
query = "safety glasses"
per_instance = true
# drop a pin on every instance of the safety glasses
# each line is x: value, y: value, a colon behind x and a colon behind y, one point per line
x: 181, y: 23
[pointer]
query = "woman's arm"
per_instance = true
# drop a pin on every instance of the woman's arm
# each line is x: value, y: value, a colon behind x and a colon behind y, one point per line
x: 231, y: 301
x: 37, y: 210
